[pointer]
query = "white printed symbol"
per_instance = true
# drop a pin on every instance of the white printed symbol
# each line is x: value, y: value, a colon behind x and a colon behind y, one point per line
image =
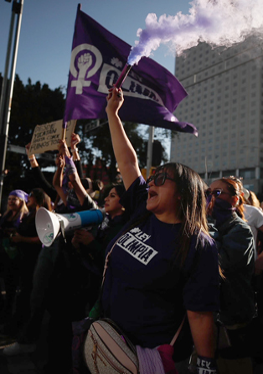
x: 84, y: 63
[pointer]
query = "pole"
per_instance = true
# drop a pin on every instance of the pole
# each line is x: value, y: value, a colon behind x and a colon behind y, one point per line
x: 7, y: 63
x: 7, y: 87
x: 150, y: 150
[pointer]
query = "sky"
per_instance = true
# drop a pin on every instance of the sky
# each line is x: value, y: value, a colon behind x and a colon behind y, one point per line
x: 48, y: 25
x: 47, y: 31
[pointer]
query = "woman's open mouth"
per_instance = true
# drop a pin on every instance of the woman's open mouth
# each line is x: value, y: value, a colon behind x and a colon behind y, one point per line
x: 152, y: 194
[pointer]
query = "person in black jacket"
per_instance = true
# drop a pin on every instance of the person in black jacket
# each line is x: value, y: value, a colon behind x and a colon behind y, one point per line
x: 236, y: 255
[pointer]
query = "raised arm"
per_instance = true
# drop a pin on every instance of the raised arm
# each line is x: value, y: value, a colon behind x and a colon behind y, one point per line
x: 31, y: 158
x: 75, y: 140
x: 39, y: 176
x: 58, y: 178
x: 74, y: 178
x: 124, y: 152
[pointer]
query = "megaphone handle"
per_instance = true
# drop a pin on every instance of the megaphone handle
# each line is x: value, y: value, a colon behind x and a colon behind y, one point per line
x: 62, y: 227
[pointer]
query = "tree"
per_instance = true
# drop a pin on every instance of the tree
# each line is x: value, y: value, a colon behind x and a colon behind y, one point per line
x: 32, y: 104
x: 93, y: 142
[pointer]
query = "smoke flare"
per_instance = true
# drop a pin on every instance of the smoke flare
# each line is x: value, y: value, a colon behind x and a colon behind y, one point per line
x: 123, y: 75
x: 217, y: 22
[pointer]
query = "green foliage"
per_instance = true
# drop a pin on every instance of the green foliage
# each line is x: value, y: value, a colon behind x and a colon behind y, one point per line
x: 100, y: 143
x: 32, y: 104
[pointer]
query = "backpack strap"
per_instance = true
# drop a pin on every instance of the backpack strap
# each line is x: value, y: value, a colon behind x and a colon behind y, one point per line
x: 178, y: 331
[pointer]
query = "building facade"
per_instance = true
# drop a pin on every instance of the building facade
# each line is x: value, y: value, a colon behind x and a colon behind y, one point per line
x: 225, y: 88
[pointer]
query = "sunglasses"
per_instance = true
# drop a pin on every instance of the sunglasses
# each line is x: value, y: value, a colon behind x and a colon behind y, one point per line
x: 216, y: 192
x: 159, y: 179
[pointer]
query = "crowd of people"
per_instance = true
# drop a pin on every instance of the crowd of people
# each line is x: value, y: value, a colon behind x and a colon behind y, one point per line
x: 184, y: 257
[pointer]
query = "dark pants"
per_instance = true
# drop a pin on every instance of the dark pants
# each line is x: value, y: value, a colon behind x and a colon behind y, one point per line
x: 42, y: 277
x: 11, y: 282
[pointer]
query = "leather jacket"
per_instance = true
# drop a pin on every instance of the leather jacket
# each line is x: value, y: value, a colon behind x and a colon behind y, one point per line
x: 235, y: 244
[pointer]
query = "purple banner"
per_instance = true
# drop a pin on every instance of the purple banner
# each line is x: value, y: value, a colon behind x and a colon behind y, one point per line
x: 98, y: 57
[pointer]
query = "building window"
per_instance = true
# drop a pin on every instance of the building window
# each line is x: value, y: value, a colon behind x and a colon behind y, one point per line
x: 227, y: 173
x: 247, y: 173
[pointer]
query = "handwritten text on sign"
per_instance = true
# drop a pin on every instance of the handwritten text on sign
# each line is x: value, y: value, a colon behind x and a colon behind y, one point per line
x: 46, y: 137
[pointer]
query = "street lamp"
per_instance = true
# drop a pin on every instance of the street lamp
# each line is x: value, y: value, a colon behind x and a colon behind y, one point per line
x: 8, y: 84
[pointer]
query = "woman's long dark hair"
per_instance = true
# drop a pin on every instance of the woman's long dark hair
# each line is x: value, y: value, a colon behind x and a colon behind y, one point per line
x: 192, y: 208
x: 42, y: 199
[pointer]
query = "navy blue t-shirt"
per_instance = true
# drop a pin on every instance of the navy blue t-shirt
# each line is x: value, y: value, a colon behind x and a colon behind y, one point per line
x: 146, y: 291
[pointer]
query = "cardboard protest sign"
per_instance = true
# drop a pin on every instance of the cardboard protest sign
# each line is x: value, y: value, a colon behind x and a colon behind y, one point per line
x: 46, y: 137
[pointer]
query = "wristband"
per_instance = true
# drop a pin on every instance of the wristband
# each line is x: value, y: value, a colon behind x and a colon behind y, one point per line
x: 31, y: 158
x: 70, y: 166
x: 75, y: 150
x: 206, y: 365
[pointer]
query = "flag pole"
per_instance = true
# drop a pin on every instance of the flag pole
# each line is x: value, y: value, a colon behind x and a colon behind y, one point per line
x: 64, y: 129
x: 64, y: 126
x: 150, y: 150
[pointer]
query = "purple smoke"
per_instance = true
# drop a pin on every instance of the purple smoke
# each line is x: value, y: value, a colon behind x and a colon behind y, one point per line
x: 217, y: 22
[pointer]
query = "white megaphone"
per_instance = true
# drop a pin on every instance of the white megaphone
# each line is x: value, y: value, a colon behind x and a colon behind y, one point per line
x: 49, y: 224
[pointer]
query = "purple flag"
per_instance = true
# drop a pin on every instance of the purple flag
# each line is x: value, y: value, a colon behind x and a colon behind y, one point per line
x: 151, y: 92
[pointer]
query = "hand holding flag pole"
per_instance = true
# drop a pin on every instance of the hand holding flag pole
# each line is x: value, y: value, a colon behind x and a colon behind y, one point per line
x: 64, y: 129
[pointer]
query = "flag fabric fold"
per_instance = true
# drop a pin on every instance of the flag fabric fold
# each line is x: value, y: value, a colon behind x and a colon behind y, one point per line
x: 151, y: 92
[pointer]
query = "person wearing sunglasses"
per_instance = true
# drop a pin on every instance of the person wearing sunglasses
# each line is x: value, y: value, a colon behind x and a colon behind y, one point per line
x: 225, y: 206
x: 164, y: 264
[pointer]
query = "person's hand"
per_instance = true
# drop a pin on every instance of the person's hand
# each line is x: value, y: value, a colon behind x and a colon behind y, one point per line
x: 27, y: 149
x: 31, y: 157
x: 114, y: 100
x: 75, y: 242
x: 63, y: 148
x: 82, y: 236
x: 75, y: 139
x: 16, y: 238
x: 60, y: 161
